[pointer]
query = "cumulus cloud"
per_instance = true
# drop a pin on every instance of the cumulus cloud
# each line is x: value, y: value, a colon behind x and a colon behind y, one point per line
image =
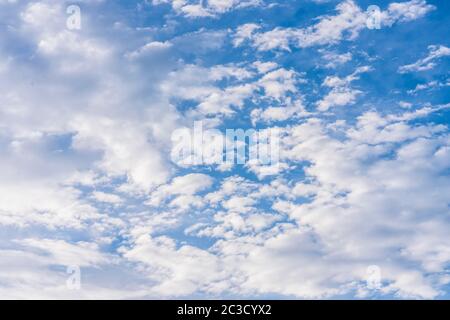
x: 86, y: 180
x: 212, y: 8
x: 242, y: 83
x: 349, y: 21
x: 428, y: 86
x: 339, y: 223
x: 435, y: 52
x: 406, y: 11
x: 341, y: 93
x: 333, y: 60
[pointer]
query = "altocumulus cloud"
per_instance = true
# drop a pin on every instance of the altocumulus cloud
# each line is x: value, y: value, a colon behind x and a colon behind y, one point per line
x: 87, y: 180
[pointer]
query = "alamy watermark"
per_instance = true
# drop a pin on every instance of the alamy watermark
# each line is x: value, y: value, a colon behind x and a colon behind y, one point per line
x: 73, y: 21
x: 373, y: 277
x: 373, y: 17
x: 199, y: 146
x: 73, y: 282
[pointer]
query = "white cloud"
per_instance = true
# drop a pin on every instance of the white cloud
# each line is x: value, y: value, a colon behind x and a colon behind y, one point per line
x: 62, y: 253
x: 187, y: 185
x: 342, y: 211
x: 427, y: 63
x: 279, y: 113
x: 107, y: 197
x: 176, y: 271
x: 244, y: 32
x: 149, y: 48
x: 405, y: 104
x: 85, y: 124
x: 406, y: 11
x: 25, y: 204
x: 428, y: 86
x: 277, y: 83
x: 126, y: 149
x: 330, y: 29
x: 338, y: 97
x: 333, y: 60
x: 341, y: 93
x: 349, y: 21
x: 199, y: 84
x: 197, y: 8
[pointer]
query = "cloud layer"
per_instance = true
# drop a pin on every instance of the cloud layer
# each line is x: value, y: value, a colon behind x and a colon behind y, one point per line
x: 87, y: 179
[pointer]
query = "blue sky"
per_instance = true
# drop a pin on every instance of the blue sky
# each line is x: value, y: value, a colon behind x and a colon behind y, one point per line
x: 87, y: 180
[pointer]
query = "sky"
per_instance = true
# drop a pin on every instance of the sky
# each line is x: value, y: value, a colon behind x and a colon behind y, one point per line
x: 93, y: 204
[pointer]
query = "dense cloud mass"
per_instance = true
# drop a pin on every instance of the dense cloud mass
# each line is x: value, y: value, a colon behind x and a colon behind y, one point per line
x: 88, y: 181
